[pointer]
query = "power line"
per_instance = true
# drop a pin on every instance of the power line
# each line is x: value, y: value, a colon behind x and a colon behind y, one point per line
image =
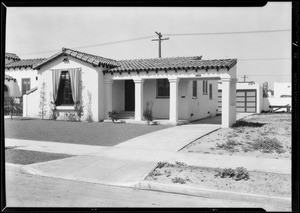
x: 160, y: 39
x: 225, y: 33
x: 173, y: 34
x: 261, y: 59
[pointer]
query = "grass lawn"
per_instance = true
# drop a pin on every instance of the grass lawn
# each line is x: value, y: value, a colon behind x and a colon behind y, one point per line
x: 259, y: 135
x: 102, y: 134
x: 242, y: 181
x: 18, y: 156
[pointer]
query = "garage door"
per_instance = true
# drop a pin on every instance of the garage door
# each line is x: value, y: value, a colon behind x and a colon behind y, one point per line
x: 245, y: 101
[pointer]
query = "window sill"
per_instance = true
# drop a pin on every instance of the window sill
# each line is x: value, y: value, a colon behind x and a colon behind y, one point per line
x: 161, y: 97
x: 70, y: 107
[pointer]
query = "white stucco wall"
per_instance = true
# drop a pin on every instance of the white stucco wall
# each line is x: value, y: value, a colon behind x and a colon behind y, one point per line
x: 21, y: 73
x: 276, y: 101
x: 282, y: 89
x: 201, y: 105
x: 92, y: 81
x: 31, y: 105
x: 13, y: 88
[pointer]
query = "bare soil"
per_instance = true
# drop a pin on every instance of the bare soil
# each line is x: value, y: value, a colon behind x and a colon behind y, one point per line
x: 263, y: 183
x: 258, y: 135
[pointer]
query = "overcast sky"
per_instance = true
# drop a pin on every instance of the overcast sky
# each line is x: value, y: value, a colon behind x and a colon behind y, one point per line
x: 41, y: 32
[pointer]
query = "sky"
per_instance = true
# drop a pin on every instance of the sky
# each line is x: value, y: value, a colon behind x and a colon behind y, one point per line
x: 127, y: 33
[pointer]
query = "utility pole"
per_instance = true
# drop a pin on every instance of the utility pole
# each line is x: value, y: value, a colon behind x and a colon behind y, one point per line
x: 159, y: 42
x: 245, y: 78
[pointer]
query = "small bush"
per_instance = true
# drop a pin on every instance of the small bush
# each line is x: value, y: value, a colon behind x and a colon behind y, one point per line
x: 179, y: 180
x: 156, y: 173
x: 240, y: 173
x: 180, y: 163
x: 267, y: 145
x: 243, y: 123
x: 113, y: 115
x: 229, y: 145
x: 163, y: 164
x: 148, y: 112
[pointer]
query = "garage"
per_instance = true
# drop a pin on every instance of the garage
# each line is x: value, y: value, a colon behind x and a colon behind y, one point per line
x: 246, y: 101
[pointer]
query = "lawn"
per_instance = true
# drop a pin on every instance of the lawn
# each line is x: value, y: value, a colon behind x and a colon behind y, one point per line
x: 102, y: 134
x: 259, y: 135
x: 237, y: 180
x: 18, y: 156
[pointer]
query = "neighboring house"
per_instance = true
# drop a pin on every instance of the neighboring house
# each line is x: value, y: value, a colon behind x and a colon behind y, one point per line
x: 21, y: 70
x: 10, y: 87
x: 282, y: 90
x: 181, y: 88
x: 249, y: 97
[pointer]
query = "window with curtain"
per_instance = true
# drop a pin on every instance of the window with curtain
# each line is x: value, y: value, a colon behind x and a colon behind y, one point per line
x: 162, y: 88
x: 64, y: 95
x: 194, y: 89
x: 210, y: 91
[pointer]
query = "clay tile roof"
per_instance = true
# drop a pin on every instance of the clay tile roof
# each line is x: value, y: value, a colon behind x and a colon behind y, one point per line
x: 12, y: 56
x: 24, y: 63
x: 194, y: 62
x: 8, y: 77
x: 89, y: 58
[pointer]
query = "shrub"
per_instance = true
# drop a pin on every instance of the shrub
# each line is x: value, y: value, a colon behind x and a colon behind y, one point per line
x: 179, y: 180
x: 243, y: 123
x: 267, y: 145
x: 229, y: 145
x: 113, y: 115
x: 78, y: 109
x: 180, y: 163
x: 53, y: 115
x: 163, y: 164
x: 240, y: 173
x: 89, y: 116
x: 148, y: 112
x: 43, y: 101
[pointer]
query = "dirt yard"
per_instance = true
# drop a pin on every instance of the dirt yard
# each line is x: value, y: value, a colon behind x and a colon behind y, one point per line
x: 263, y: 183
x: 259, y: 135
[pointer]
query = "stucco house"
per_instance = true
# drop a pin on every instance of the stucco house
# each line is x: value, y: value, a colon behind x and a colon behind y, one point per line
x: 180, y: 88
x: 21, y: 71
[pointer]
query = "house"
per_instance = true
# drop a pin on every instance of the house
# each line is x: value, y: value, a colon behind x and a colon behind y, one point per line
x: 282, y: 90
x: 10, y: 87
x: 180, y: 88
x: 249, y: 97
x: 21, y: 70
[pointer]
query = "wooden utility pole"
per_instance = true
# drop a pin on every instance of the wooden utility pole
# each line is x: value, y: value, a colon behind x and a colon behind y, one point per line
x: 245, y: 78
x: 159, y: 42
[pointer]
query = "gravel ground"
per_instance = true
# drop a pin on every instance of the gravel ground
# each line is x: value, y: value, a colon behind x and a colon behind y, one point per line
x: 251, y: 139
x: 101, y: 134
x: 262, y: 183
x: 18, y: 156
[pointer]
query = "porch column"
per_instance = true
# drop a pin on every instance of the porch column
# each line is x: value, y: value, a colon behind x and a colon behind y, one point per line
x: 228, y: 102
x: 173, y: 117
x: 108, y: 96
x: 138, y: 90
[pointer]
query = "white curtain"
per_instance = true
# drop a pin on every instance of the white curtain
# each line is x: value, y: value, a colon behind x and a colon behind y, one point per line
x: 74, y: 77
x: 55, y: 83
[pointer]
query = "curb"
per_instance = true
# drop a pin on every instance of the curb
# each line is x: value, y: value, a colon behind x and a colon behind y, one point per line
x: 212, y: 193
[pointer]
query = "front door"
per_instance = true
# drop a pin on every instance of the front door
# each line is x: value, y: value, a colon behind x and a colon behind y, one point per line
x: 129, y: 95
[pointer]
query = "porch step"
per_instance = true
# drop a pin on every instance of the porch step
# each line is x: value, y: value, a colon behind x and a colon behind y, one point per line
x: 126, y: 115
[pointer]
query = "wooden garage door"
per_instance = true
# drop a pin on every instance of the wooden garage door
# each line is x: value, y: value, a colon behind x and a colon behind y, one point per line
x: 245, y: 101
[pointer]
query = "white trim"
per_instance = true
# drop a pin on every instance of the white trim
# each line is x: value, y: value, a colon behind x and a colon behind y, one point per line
x: 65, y: 107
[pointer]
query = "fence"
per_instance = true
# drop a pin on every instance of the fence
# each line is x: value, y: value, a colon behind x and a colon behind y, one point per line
x: 13, y: 106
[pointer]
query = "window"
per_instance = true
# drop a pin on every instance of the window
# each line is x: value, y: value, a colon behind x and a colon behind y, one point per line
x: 194, y: 89
x: 25, y: 85
x: 162, y: 88
x: 64, y: 96
x: 204, y: 87
x: 210, y: 91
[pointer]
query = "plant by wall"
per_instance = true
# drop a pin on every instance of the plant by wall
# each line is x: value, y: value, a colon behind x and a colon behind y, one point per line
x: 89, y: 116
x: 113, y: 115
x: 43, y: 100
x: 13, y: 105
x: 79, y: 104
x: 148, y: 112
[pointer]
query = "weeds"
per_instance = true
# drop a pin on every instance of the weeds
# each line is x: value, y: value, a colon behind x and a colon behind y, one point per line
x: 267, y: 145
x: 163, y: 164
x: 229, y: 145
x: 179, y: 180
x: 243, y: 123
x: 240, y: 173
